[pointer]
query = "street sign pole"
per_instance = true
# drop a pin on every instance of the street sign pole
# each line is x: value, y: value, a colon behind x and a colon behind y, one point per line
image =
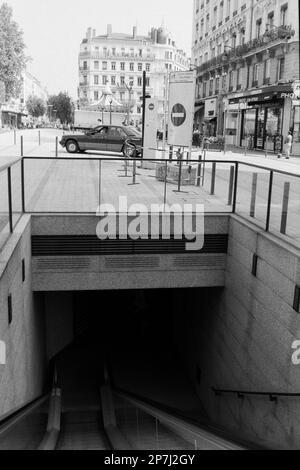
x: 166, y: 116
x: 144, y: 111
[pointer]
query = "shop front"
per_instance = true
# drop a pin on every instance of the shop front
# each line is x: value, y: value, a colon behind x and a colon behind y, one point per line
x: 266, y: 117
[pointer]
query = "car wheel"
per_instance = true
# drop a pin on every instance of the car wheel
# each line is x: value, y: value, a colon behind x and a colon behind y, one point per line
x: 72, y: 146
x: 130, y: 151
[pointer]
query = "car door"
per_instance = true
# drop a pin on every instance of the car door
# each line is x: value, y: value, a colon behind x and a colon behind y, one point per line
x: 97, y: 140
x: 114, y: 140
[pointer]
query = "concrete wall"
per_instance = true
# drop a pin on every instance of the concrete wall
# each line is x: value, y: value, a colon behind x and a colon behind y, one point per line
x: 22, y: 377
x: 241, y: 339
x: 71, y: 273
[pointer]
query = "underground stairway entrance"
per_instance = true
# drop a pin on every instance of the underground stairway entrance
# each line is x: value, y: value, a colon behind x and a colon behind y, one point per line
x: 132, y: 349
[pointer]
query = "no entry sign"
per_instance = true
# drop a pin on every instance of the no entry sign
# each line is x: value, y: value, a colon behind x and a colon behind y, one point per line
x: 178, y: 115
x: 181, y: 108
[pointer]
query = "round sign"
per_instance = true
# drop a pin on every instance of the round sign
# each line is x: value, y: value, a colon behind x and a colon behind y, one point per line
x: 178, y: 115
x: 151, y: 107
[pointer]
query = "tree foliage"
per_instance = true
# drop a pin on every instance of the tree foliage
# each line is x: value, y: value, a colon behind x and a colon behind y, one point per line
x: 62, y: 107
x: 12, y: 52
x: 35, y: 106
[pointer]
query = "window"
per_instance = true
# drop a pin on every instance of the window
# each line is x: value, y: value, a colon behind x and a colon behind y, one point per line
x: 105, y: 51
x: 228, y: 8
x: 233, y: 44
x: 271, y: 19
x: 96, y: 95
x: 132, y: 52
x: 204, y: 89
x: 258, y: 28
x: 131, y: 66
x: 147, y: 81
x: 283, y: 14
x: 238, y: 78
x: 140, y: 81
x: 242, y: 36
x: 211, y: 86
x: 213, y: 52
x: 219, y: 49
x: 231, y: 80
x: 113, y: 80
x: 123, y: 51
x: 267, y: 68
x: 104, y: 79
x: 221, y: 12
x: 104, y: 65
x: 206, y: 57
x: 206, y: 24
x: 113, y: 66
x: 281, y: 63
x: 224, y: 78
x: 141, y: 52
x: 85, y: 65
x: 217, y: 84
x: 147, y: 67
x: 255, y: 75
x: 215, y: 16
x: 131, y: 81
x: 122, y: 80
x: 140, y: 67
x: 96, y: 65
x: 122, y: 65
x: 113, y: 51
x: 96, y: 79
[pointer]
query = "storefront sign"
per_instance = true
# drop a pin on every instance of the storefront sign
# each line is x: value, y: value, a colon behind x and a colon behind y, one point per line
x: 181, y: 108
x: 210, y: 108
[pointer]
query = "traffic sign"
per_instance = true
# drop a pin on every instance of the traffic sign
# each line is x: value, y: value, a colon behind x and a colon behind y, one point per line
x: 178, y: 114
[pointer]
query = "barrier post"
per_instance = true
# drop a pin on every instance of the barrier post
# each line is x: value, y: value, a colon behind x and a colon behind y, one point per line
x: 39, y: 138
x: 285, y: 207
x: 171, y: 153
x: 23, y: 185
x: 231, y: 184
x: 253, y: 195
x: 15, y: 137
x: 56, y: 147
x: 213, y: 179
x: 22, y: 146
x: 199, y: 171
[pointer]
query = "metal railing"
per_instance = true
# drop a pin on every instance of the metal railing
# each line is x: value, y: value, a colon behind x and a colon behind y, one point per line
x: 266, y: 196
x: 241, y: 394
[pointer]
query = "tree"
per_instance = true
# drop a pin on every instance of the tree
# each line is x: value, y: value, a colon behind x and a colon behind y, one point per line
x: 61, y: 106
x: 35, y: 106
x: 12, y: 55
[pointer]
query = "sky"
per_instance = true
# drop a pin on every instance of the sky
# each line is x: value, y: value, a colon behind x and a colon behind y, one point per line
x: 54, y: 29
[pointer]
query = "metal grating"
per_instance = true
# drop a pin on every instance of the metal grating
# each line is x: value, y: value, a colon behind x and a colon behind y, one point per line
x: 202, y: 261
x: 90, y: 245
x: 54, y: 263
x: 124, y: 263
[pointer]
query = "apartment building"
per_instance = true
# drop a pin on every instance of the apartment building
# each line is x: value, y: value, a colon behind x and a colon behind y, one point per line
x: 247, y: 59
x: 119, y: 60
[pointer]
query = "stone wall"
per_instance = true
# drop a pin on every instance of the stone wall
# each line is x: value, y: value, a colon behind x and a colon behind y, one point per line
x: 22, y: 377
x: 241, y: 339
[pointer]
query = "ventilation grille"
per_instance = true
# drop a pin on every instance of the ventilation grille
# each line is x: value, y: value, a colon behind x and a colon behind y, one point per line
x: 68, y: 264
x: 90, y: 245
x: 188, y: 262
x: 125, y: 263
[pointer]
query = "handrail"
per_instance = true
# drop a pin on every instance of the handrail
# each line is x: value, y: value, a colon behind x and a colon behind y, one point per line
x: 242, y: 393
x: 162, y: 160
x: 12, y: 420
x: 7, y: 165
x: 181, y: 427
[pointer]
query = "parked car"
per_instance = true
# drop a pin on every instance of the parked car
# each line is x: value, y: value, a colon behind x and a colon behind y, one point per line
x: 125, y: 139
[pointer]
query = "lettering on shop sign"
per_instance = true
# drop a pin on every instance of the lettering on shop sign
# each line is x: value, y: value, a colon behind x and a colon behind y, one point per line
x: 296, y: 354
x: 2, y: 353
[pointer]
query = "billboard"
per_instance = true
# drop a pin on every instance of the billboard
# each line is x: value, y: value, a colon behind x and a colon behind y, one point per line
x: 181, y: 108
x: 151, y: 123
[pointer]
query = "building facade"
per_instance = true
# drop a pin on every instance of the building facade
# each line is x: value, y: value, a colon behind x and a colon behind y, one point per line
x: 247, y: 59
x: 119, y: 60
x: 13, y: 111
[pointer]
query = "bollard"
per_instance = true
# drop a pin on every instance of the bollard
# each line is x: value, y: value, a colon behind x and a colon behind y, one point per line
x: 165, y: 187
x: 213, y: 179
x: 22, y: 146
x: 253, y: 195
x: 203, y: 171
x: 199, y: 171
x: 15, y: 137
x: 179, y: 176
x: 39, y: 138
x: 231, y: 184
x: 171, y: 153
x: 56, y: 147
x: 285, y: 206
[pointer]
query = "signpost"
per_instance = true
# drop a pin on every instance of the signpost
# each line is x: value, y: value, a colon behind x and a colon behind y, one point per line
x: 181, y: 109
x: 150, y: 132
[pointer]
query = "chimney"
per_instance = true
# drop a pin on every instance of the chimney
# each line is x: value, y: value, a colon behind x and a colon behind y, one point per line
x: 109, y: 30
x: 89, y: 34
x: 134, y: 32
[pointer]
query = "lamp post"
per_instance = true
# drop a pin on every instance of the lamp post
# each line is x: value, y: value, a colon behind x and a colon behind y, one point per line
x: 110, y: 116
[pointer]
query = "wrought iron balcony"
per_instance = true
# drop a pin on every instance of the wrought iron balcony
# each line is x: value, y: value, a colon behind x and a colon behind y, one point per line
x: 282, y: 33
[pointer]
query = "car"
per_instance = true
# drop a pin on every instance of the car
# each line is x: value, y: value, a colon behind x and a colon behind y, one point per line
x: 125, y: 139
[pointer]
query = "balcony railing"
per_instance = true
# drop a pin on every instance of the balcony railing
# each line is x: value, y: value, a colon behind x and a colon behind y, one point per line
x: 117, y: 56
x: 284, y: 33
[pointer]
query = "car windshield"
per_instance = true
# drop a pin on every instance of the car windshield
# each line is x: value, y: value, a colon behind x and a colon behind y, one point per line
x: 132, y: 131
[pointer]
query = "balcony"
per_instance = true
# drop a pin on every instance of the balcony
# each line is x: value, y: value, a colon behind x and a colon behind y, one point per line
x: 272, y: 36
x: 117, y: 56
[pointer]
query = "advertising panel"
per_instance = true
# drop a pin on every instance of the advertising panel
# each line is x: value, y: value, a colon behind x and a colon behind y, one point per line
x: 151, y: 125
